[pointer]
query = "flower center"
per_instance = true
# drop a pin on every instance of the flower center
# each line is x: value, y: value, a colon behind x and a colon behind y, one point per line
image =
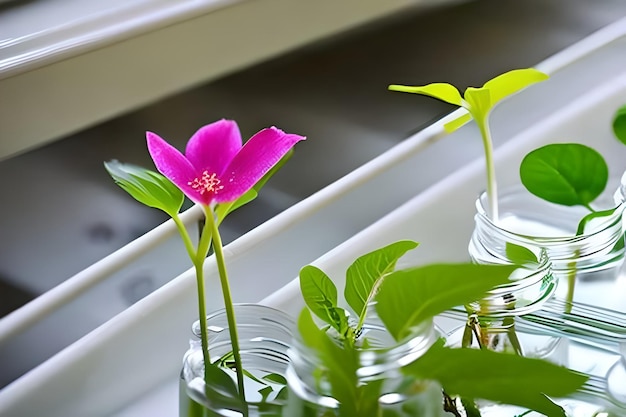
x: 206, y: 183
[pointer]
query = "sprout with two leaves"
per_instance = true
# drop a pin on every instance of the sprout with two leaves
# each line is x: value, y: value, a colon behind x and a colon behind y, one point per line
x: 479, y: 102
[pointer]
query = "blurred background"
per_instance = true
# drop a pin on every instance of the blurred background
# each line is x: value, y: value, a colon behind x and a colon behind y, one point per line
x: 60, y: 212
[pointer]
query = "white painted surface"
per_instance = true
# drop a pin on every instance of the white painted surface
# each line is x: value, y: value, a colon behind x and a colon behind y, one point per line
x: 68, y: 64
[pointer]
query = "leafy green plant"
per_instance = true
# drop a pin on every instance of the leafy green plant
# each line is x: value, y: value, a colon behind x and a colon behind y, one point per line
x: 403, y: 300
x: 479, y: 102
x: 568, y: 174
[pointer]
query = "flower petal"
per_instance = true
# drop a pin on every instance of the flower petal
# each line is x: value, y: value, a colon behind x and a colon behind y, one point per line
x: 171, y: 163
x: 257, y: 156
x: 213, y: 146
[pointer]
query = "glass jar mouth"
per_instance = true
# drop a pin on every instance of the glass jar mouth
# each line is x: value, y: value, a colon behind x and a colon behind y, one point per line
x: 382, y: 354
x: 248, y: 315
x: 519, y: 193
x: 531, y: 286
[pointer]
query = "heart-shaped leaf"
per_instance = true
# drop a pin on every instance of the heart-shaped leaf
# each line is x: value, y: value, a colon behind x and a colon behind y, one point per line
x: 569, y: 174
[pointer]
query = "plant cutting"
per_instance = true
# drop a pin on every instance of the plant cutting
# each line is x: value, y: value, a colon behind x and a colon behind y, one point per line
x: 219, y: 174
x: 571, y: 174
x: 479, y: 103
x: 574, y: 175
x: 402, y: 373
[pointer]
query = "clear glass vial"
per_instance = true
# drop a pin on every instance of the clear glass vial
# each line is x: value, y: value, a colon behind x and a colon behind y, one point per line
x: 264, y: 338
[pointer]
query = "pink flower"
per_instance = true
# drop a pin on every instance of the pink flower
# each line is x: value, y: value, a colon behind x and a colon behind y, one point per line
x: 216, y: 168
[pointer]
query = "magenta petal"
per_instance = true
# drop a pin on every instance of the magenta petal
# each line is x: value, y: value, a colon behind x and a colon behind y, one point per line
x: 257, y: 156
x: 213, y: 146
x: 171, y: 163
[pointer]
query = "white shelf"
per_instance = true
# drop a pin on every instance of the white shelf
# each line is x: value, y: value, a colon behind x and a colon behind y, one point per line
x: 103, y: 58
x: 129, y: 366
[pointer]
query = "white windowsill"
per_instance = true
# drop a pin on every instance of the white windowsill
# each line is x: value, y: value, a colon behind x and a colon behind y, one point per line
x: 68, y: 64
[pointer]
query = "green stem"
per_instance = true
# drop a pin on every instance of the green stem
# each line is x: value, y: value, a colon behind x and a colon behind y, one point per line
x: 228, y: 301
x: 198, y: 263
x: 571, y: 282
x: 492, y: 189
x: 185, y: 236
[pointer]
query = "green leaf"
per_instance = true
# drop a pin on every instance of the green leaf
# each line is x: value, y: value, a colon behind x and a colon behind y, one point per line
x: 443, y: 91
x: 276, y: 378
x: 593, y: 215
x: 520, y: 255
x: 457, y: 123
x: 363, y: 276
x: 147, y: 187
x: 320, y: 295
x: 565, y: 173
x: 478, y: 103
x: 407, y: 298
x: 498, y: 377
x: 511, y: 82
x: 339, y: 363
x: 619, y: 124
x: 265, y: 392
x: 220, y: 381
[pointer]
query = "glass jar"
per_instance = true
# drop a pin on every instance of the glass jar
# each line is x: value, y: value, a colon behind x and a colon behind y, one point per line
x: 491, y: 321
x: 587, y: 266
x: 380, y: 359
x: 264, y: 338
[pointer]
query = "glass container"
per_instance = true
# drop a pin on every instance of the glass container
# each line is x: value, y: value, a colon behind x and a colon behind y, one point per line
x: 264, y: 338
x: 587, y: 266
x: 380, y: 359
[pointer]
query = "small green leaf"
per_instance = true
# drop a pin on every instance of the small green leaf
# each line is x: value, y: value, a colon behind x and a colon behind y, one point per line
x: 407, y: 298
x: 619, y: 124
x: 520, y: 255
x: 443, y: 91
x: 593, y: 215
x: 565, y: 173
x: 265, y: 392
x: 276, y: 378
x: 457, y: 123
x: 320, y: 295
x: 511, y: 82
x: 498, y: 377
x: 220, y: 381
x: 147, y: 187
x: 365, y: 272
x: 478, y: 103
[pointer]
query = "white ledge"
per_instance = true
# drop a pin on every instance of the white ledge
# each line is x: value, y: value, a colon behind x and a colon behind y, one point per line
x: 68, y: 64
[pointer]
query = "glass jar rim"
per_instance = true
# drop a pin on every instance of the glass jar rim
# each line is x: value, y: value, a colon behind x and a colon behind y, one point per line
x: 481, y: 216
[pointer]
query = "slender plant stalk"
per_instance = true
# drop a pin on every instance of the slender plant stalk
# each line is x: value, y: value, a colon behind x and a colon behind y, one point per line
x: 197, y: 258
x: 492, y: 189
x: 198, y: 262
x: 228, y: 301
